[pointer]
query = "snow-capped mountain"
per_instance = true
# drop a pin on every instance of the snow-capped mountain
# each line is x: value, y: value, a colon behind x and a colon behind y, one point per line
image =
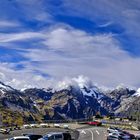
x: 73, y: 99
x: 4, y: 87
x: 137, y: 94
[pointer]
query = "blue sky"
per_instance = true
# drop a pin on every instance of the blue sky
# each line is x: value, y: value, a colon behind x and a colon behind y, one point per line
x: 42, y: 41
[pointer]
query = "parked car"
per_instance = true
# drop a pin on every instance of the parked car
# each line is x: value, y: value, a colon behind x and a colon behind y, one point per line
x: 57, y: 136
x: 20, y: 138
x: 117, y: 133
x: 67, y: 136
x: 113, y: 129
x: 34, y: 125
x: 33, y: 136
x: 132, y: 136
x: 27, y: 126
x: 4, y: 131
x: 138, y: 137
x: 111, y: 137
x: 44, y: 125
x: 65, y: 126
x: 120, y: 135
x: 57, y: 125
x: 95, y: 123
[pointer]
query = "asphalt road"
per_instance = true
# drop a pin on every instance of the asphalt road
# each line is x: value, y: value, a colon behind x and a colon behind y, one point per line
x: 94, y: 133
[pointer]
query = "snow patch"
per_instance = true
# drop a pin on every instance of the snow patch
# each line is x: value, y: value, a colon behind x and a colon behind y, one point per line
x: 5, y: 87
x: 137, y: 94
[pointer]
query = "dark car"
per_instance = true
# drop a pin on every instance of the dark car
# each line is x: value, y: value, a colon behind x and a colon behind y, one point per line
x: 138, y: 137
x: 132, y: 136
x: 112, y: 138
x: 67, y: 136
x: 57, y: 136
x: 33, y: 136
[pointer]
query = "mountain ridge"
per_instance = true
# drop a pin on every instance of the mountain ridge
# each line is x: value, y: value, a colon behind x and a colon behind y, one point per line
x: 69, y: 102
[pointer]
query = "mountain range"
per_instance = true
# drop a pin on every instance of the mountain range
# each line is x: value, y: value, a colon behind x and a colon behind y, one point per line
x: 68, y: 102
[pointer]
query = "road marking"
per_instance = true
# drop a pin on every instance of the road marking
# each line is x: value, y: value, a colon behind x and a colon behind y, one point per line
x: 91, y: 133
x: 83, y: 132
x: 97, y: 132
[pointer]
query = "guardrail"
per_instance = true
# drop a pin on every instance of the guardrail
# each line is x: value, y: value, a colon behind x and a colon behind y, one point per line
x: 67, y: 121
x: 117, y: 122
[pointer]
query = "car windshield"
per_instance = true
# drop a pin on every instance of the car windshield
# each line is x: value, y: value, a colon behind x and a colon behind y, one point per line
x: 58, y: 136
x: 46, y: 137
x: 22, y: 139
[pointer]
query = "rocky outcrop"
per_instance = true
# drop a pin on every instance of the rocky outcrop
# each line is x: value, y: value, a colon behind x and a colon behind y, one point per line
x: 73, y: 102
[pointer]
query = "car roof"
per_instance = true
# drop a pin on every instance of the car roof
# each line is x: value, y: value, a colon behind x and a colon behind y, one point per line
x: 55, y: 133
x: 28, y: 134
x: 22, y: 137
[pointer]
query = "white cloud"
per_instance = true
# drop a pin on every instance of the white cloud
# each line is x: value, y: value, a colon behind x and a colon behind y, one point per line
x: 11, y: 37
x: 79, y: 82
x: 76, y: 42
x: 34, y: 10
x: 4, y: 24
x: 106, y: 24
x: 124, y: 13
x: 71, y: 52
x: 67, y: 52
x: 21, y: 79
x: 62, y: 51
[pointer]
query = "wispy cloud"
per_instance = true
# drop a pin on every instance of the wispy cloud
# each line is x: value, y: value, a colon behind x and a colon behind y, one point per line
x: 11, y: 37
x: 4, y: 24
x: 34, y: 10
x: 125, y: 14
x: 69, y: 52
x: 105, y: 24
x: 39, y: 47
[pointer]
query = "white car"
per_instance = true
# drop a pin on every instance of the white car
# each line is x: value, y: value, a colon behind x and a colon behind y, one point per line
x: 113, y: 129
x: 27, y: 126
x: 34, y: 125
x: 44, y: 125
x: 57, y: 125
x: 4, y: 131
x: 120, y: 135
x: 65, y: 126
x: 20, y: 138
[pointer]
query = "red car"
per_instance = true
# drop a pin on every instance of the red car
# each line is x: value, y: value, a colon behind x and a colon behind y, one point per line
x: 95, y: 123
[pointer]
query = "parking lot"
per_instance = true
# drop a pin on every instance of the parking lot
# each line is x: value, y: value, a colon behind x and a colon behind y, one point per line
x: 41, y: 131
x: 77, y: 131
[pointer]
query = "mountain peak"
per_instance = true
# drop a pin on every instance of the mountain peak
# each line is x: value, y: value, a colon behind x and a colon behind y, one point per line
x: 137, y: 94
x: 5, y: 87
x: 121, y: 86
x: 77, y: 95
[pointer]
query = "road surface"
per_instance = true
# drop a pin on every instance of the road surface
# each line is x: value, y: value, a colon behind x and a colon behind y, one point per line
x: 94, y: 133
